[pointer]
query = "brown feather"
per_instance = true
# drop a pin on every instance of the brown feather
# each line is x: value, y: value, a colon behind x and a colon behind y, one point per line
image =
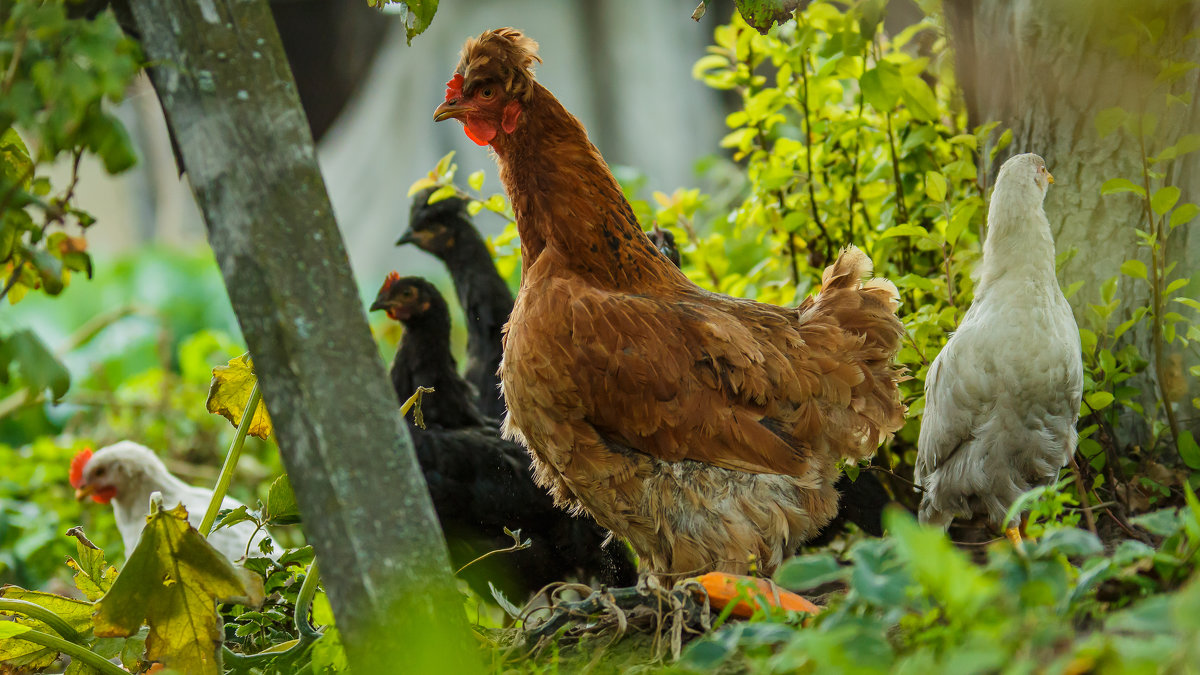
x: 704, y: 429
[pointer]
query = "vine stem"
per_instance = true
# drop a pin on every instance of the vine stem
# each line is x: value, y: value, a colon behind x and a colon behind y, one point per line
x: 1083, y: 496
x: 231, y: 460
x: 46, y: 616
x: 73, y: 650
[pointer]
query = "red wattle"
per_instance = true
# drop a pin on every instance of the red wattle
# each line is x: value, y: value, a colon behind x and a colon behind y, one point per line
x: 480, y: 132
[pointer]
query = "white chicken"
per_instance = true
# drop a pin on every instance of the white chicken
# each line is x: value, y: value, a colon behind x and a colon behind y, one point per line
x: 1002, y: 398
x: 127, y: 473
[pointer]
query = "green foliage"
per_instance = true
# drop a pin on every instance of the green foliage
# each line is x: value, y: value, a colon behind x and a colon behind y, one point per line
x: 58, y: 73
x: 416, y: 14
x: 915, y: 603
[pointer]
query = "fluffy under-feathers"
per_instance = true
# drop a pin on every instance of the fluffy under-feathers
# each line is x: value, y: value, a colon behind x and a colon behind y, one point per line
x: 127, y: 473
x: 704, y: 429
x: 1002, y: 398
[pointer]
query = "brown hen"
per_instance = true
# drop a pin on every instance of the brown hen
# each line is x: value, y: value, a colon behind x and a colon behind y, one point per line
x: 704, y: 429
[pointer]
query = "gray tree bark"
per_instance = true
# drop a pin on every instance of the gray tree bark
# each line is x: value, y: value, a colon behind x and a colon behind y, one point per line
x: 1044, y: 70
x: 231, y: 103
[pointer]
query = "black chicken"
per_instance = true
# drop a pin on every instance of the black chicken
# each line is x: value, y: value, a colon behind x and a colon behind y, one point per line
x: 479, y: 482
x: 444, y: 229
x: 424, y: 357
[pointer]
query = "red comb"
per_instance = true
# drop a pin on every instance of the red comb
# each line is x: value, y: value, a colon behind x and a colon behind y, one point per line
x: 454, y: 87
x: 79, y: 461
x: 392, y: 277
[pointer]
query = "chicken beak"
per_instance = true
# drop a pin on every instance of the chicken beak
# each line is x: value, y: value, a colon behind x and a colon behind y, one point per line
x: 379, y: 303
x: 83, y: 492
x: 406, y: 238
x: 450, y: 110
x: 1049, y: 178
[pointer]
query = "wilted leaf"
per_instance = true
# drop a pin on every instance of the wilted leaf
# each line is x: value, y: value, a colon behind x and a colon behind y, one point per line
x: 761, y: 14
x: 93, y: 575
x: 172, y: 583
x: 229, y: 391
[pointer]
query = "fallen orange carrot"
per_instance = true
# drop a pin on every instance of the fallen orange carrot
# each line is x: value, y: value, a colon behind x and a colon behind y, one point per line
x: 722, y: 588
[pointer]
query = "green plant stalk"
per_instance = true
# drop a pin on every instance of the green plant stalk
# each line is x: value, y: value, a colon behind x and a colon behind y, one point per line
x: 46, y: 616
x: 1157, y: 250
x: 231, y: 460
x: 73, y: 650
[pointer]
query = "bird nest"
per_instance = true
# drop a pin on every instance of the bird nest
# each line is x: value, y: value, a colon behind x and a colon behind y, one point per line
x: 651, y: 621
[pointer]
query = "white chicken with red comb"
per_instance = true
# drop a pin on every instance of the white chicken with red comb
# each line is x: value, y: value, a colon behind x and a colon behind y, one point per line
x: 125, y: 474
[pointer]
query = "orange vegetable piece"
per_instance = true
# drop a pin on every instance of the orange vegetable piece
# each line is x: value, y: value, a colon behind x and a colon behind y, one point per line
x: 723, y: 588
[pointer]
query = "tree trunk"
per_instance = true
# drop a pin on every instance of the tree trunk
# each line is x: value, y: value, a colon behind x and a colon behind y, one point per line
x: 243, y: 139
x: 1045, y: 70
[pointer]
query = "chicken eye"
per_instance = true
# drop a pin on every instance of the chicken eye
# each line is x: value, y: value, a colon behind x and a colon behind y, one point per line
x: 487, y: 92
x: 100, y: 471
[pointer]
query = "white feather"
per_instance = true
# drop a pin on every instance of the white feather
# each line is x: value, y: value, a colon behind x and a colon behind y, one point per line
x: 1002, y: 398
x: 138, y: 474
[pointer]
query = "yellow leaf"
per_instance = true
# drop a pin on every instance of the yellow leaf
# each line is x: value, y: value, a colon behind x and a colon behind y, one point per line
x: 229, y: 391
x: 172, y: 582
x: 421, y: 184
x: 93, y: 575
x: 27, y: 657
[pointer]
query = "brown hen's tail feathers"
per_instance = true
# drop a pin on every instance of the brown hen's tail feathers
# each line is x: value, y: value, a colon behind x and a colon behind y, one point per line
x: 865, y: 311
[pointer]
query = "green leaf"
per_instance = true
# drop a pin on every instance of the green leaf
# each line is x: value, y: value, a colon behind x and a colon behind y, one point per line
x: 1099, y: 400
x: 935, y: 186
x: 1115, y: 185
x: 1109, y: 120
x: 172, y: 582
x: 919, y: 98
x: 1186, y: 144
x: 15, y: 163
x: 1189, y: 451
x: 1164, y: 198
x: 1001, y: 143
x: 237, y: 515
x: 1184, y: 213
x: 38, y: 366
x: 1134, y: 268
x: 416, y: 15
x: 475, y: 180
x: 809, y: 571
x: 282, y: 508
x: 11, y: 629
x: 882, y: 86
x: 905, y: 230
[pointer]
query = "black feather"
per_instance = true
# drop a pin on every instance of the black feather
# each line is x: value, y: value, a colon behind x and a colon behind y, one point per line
x: 479, y: 482
x: 444, y: 229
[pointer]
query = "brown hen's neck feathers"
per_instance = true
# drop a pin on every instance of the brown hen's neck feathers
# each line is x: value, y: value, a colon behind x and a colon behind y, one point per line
x: 568, y: 204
